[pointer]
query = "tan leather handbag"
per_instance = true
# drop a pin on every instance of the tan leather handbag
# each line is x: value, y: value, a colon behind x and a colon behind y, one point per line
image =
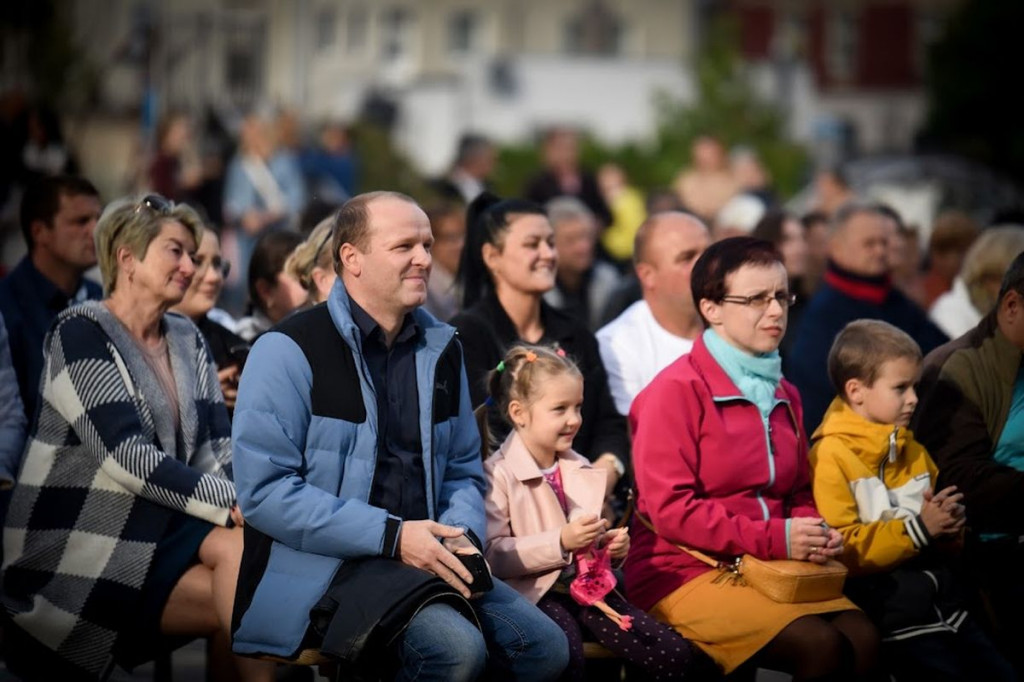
x: 782, y: 580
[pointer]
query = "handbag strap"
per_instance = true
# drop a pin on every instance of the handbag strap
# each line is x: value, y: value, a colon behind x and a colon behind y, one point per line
x: 696, y: 554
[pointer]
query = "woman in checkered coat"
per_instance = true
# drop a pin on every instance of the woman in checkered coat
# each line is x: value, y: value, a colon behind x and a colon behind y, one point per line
x: 119, y: 537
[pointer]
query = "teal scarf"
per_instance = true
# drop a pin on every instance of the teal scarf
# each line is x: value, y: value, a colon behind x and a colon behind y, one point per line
x: 757, y: 376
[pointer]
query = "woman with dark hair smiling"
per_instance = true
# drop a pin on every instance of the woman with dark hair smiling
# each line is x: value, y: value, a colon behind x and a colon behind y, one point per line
x: 721, y: 467
x: 507, y: 265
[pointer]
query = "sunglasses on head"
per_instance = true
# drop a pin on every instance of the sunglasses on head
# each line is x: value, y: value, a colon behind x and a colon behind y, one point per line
x: 156, y: 203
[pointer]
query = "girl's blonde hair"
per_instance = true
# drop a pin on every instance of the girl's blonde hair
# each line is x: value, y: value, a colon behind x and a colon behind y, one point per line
x: 314, y: 252
x: 519, y: 377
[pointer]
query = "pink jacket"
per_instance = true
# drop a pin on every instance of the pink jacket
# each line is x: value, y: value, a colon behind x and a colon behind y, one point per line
x: 711, y: 474
x: 524, y: 518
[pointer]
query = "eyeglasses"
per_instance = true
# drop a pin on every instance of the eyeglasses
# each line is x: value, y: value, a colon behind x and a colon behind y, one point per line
x: 762, y: 301
x: 155, y: 203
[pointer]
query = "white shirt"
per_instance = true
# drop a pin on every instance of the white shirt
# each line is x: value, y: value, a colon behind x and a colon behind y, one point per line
x: 634, y: 349
x: 953, y: 312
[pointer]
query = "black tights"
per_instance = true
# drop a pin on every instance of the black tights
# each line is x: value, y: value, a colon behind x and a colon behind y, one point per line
x: 839, y: 646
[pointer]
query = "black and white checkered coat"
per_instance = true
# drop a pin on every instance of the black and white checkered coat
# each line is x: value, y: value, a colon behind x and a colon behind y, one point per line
x: 103, y: 473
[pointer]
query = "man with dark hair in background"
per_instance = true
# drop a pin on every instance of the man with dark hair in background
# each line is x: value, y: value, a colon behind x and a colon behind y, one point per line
x: 470, y: 174
x: 857, y: 284
x: 58, y: 216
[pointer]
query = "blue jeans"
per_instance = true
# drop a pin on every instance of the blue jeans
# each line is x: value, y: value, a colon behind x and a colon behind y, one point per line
x: 517, y: 642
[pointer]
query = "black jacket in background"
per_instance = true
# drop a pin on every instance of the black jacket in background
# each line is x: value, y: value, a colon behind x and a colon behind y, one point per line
x: 544, y: 187
x: 487, y: 333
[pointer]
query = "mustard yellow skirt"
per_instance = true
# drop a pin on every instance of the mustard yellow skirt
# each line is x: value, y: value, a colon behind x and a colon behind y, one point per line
x: 732, y: 622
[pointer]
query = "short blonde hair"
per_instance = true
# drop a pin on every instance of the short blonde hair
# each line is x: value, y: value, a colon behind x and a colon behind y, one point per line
x: 135, y: 222
x: 314, y: 252
x: 988, y: 258
x: 862, y: 347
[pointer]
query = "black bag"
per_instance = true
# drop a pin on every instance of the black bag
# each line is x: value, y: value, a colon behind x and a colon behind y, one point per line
x: 369, y: 604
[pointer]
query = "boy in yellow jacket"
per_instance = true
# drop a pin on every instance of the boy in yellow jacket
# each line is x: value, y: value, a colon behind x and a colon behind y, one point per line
x: 873, y: 483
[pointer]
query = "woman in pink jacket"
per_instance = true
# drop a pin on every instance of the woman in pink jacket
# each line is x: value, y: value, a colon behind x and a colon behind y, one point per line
x: 721, y: 466
x: 544, y: 528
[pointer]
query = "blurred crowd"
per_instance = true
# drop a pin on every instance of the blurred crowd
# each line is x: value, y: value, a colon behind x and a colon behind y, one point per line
x: 613, y: 260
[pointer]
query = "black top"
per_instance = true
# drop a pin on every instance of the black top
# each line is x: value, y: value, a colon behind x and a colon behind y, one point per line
x: 399, y: 481
x: 226, y: 347
x: 544, y: 187
x: 487, y: 333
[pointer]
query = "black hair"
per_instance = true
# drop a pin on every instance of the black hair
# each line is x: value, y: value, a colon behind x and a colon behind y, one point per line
x: 41, y: 200
x: 487, y: 219
x: 721, y: 259
x: 1014, y: 277
x: 267, y: 261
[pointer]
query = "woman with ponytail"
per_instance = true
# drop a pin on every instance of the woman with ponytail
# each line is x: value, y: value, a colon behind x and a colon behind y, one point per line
x: 507, y: 265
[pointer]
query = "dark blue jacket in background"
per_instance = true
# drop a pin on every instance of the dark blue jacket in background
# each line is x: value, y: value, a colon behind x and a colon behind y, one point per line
x: 806, y: 365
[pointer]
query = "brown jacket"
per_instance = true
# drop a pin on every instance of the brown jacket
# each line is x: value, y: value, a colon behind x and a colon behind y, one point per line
x: 524, y: 518
x: 965, y: 394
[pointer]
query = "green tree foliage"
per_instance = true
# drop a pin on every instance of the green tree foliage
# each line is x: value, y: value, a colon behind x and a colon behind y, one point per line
x: 970, y: 83
x: 725, y: 106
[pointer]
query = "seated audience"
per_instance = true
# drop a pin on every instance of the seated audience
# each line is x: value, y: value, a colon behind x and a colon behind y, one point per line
x: 273, y: 293
x: 12, y: 420
x: 583, y: 283
x: 720, y: 462
x: 875, y: 484
x: 653, y: 332
x: 707, y: 184
x: 311, y: 263
x: 976, y: 289
x: 507, y: 266
x: 118, y: 539
x: 475, y: 157
x: 953, y: 232
x: 857, y: 285
x: 227, y: 348
x: 628, y: 211
x: 543, y: 543
x: 787, y: 234
x: 58, y: 216
x: 562, y: 175
x: 971, y: 419
x: 448, y: 223
x: 358, y: 462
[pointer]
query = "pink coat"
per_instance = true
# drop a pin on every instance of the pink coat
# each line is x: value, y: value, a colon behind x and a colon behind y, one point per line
x: 524, y: 518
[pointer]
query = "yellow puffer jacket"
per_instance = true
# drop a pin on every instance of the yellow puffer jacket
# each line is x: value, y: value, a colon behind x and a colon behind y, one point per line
x: 869, y: 483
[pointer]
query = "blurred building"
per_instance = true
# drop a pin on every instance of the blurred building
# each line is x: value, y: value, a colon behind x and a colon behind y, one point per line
x: 430, y: 68
x: 849, y: 73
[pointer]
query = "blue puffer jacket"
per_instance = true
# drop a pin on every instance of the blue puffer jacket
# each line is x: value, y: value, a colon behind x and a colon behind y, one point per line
x: 305, y: 454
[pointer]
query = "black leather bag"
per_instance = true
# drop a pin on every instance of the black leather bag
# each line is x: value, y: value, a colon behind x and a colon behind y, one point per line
x: 369, y: 604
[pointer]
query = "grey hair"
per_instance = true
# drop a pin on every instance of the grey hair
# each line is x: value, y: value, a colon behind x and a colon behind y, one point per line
x: 562, y: 209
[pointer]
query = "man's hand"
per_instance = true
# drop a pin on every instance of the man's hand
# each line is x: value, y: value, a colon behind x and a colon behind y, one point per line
x: 418, y: 546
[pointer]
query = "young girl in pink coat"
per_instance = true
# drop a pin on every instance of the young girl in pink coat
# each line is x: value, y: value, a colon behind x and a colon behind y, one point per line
x: 544, y: 524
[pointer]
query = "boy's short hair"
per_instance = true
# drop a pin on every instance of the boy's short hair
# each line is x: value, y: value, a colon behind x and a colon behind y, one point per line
x: 860, y: 349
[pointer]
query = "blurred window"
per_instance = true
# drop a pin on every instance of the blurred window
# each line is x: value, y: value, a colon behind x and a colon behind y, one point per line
x: 841, y: 48
x: 396, y: 33
x: 325, y: 27
x: 594, y: 31
x: 355, y: 29
x: 463, y: 32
